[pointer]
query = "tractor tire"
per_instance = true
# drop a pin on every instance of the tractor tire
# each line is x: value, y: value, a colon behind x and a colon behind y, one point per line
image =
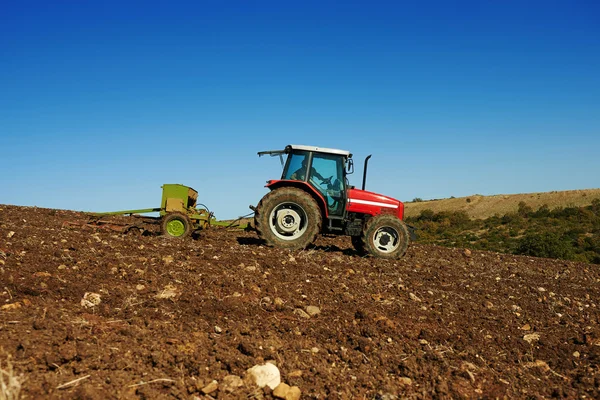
x: 176, y: 226
x: 385, y: 236
x: 288, y: 218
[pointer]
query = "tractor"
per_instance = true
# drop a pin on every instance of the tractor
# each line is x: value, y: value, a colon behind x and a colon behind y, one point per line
x: 314, y: 197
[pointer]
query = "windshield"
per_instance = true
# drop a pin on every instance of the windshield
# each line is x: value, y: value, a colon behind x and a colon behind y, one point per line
x: 295, y: 168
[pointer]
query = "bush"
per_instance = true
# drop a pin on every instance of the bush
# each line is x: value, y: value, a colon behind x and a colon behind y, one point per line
x: 547, y: 244
x: 569, y: 233
x: 524, y: 209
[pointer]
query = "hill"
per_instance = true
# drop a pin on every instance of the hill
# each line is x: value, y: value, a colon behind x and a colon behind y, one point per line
x: 481, y: 207
x: 100, y: 315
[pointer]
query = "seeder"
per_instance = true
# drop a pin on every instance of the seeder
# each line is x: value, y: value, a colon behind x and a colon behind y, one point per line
x: 178, y: 215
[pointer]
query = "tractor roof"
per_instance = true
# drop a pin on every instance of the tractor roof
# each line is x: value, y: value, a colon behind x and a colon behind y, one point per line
x: 291, y: 147
x: 318, y: 149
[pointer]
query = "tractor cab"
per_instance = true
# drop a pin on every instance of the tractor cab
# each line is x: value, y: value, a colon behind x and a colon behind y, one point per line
x: 322, y: 168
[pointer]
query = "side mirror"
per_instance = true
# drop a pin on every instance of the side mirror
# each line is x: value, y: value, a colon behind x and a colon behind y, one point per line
x: 350, y: 167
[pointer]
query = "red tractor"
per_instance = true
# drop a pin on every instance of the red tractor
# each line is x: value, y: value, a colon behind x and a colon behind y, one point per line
x: 313, y: 196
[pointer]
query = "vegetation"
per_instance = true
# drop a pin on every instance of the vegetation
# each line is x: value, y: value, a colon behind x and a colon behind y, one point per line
x: 569, y: 233
x: 481, y: 207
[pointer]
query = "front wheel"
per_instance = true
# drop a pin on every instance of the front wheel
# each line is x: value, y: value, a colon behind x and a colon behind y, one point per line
x: 288, y: 217
x: 385, y: 236
x: 176, y: 225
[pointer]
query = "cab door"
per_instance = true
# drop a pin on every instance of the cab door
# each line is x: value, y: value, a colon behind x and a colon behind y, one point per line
x: 327, y: 176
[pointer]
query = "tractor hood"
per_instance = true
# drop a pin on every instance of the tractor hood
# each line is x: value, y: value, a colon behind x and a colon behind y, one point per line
x: 362, y: 201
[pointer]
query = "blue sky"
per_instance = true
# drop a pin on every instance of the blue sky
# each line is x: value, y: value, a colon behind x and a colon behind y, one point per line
x: 103, y: 102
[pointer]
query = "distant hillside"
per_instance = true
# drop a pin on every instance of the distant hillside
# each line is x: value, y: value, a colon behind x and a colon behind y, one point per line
x: 481, y: 207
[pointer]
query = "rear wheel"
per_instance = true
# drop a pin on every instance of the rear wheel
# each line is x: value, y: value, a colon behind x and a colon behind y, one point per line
x: 385, y: 236
x: 288, y: 217
x: 176, y: 225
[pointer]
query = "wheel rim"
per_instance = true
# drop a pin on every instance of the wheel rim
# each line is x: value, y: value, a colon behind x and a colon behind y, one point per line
x: 175, y: 227
x: 386, y: 239
x: 288, y: 221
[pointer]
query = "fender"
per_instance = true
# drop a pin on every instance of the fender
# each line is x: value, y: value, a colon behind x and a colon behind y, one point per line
x: 277, y: 183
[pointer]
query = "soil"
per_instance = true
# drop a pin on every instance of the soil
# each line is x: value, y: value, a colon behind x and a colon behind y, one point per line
x: 96, y: 314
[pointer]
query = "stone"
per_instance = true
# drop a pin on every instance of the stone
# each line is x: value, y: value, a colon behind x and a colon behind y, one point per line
x: 90, y: 300
x: 294, y: 393
x: 405, y: 381
x: 230, y: 383
x: 265, y: 375
x: 284, y: 391
x: 297, y: 373
x: 281, y: 390
x: 313, y: 310
x: 301, y: 313
x: 414, y: 297
x: 211, y: 387
x: 279, y: 303
x: 532, y: 337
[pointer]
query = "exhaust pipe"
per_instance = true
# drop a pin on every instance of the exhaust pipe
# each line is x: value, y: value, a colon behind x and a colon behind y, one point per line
x: 365, y: 171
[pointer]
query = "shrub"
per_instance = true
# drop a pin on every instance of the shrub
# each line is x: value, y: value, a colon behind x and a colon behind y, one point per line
x: 547, y: 244
x: 524, y: 209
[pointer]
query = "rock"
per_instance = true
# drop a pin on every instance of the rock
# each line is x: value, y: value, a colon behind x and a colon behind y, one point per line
x: 294, y: 394
x: 297, y: 373
x: 231, y: 383
x: 313, y: 310
x: 211, y: 387
x: 526, y: 327
x: 467, y: 253
x: 404, y: 381
x: 218, y: 329
x: 281, y: 390
x: 301, y: 313
x: 90, y: 300
x: 168, y: 292
x: 284, y: 391
x: 11, y: 306
x: 537, y: 364
x: 265, y: 375
x: 414, y: 297
x: 10, y: 234
x: 576, y: 354
x: 532, y: 337
x: 278, y: 303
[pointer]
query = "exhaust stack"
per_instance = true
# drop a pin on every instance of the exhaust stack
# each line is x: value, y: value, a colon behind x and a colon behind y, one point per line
x: 365, y: 171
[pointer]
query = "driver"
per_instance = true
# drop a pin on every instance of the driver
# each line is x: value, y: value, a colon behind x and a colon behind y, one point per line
x: 300, y: 174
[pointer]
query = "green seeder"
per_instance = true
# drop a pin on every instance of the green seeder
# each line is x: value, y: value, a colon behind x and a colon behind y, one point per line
x: 179, y: 216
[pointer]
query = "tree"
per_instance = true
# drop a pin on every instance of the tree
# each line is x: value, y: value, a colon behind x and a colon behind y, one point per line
x: 547, y: 244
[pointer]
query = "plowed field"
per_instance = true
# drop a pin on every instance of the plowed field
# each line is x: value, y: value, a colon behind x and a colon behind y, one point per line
x: 99, y: 315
